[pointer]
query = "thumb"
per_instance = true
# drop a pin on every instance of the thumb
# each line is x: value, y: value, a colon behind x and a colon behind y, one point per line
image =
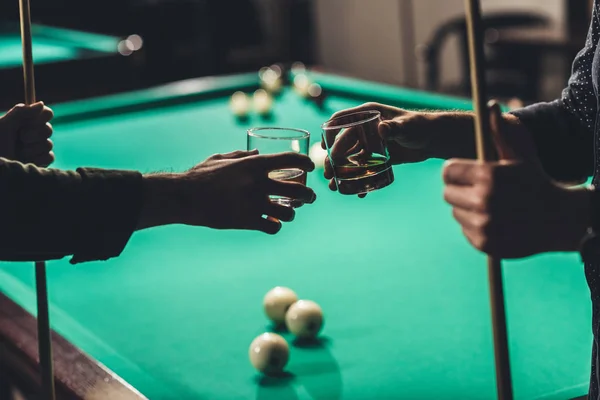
x: 498, y: 133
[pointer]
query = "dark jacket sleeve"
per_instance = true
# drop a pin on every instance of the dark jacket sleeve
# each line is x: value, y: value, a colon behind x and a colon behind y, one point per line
x: 47, y: 214
x: 564, y: 129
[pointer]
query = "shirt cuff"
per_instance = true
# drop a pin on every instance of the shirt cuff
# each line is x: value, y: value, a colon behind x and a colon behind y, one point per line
x: 113, y: 201
x: 564, y: 148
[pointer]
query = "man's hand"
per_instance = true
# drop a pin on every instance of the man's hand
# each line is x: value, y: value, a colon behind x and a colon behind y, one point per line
x: 227, y: 191
x: 402, y: 130
x: 411, y: 136
x: 25, y: 134
x: 511, y: 208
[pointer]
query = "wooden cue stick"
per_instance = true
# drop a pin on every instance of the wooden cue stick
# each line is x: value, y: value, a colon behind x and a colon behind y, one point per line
x: 43, y: 317
x: 483, y: 144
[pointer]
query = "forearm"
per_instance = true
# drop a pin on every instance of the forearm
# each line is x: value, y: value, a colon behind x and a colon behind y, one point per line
x: 564, y: 148
x: 452, y: 134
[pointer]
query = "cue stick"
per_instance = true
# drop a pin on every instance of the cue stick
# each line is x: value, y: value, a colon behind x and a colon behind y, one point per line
x: 43, y: 318
x: 483, y: 145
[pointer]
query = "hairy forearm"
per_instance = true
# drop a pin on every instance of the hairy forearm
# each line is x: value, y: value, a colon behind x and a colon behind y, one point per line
x: 452, y: 134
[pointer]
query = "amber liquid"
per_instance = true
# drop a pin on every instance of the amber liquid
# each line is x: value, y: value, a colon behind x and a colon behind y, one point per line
x: 360, y: 175
x: 291, y: 175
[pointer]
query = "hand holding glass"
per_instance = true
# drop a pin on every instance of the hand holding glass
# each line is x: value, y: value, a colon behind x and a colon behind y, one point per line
x: 357, y: 154
x: 281, y: 140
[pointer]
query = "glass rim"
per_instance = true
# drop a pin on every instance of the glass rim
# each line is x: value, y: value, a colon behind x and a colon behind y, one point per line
x: 303, y: 134
x: 375, y: 114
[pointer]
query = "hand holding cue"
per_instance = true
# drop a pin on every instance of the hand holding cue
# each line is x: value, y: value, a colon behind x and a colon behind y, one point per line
x: 43, y: 318
x: 484, y: 146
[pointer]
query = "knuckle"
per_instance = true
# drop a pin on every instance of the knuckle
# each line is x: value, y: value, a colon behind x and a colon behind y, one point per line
x: 18, y: 108
x: 484, y: 174
x: 48, y: 113
x: 479, y: 241
x: 483, y: 224
x: 481, y: 200
x: 447, y: 194
x: 371, y: 104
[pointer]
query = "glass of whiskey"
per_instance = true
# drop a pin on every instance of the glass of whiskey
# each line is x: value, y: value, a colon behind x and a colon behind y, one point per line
x: 281, y: 140
x: 357, y: 154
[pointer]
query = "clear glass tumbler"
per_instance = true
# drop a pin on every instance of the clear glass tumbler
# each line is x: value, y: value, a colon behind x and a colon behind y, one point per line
x: 281, y: 140
x: 357, y: 153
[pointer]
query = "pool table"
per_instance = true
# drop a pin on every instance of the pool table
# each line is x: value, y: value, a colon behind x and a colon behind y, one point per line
x: 405, y: 297
x: 69, y: 63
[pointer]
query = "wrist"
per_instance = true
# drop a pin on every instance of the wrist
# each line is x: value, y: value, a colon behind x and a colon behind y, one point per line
x: 161, y: 193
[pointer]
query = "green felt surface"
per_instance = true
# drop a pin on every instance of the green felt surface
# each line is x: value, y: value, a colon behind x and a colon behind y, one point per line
x: 405, y: 297
x: 52, y: 44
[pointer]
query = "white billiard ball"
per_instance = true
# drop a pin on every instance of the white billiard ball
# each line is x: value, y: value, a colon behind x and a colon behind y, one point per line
x: 262, y: 101
x: 298, y: 68
x: 304, y: 319
x: 272, y: 84
x: 262, y: 71
x: 269, y: 353
x: 317, y: 155
x: 270, y: 78
x: 240, y: 104
x: 276, y: 303
x: 301, y: 84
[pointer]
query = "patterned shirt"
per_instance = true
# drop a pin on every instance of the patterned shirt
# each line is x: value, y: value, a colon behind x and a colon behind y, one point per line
x: 567, y: 135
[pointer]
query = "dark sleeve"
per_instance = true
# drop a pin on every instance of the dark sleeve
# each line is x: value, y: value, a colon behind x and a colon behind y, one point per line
x: 47, y: 214
x: 563, y: 130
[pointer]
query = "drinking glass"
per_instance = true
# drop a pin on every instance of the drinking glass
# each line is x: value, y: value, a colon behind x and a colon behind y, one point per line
x: 358, y: 155
x: 281, y: 140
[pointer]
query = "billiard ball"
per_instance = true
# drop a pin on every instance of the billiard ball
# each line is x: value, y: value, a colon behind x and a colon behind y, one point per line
x: 270, y: 80
x: 317, y: 155
x: 240, y: 104
x: 316, y: 94
x: 298, y: 68
x: 276, y: 303
x: 262, y: 102
x: 269, y: 353
x: 304, y: 319
x: 301, y: 84
x: 278, y: 69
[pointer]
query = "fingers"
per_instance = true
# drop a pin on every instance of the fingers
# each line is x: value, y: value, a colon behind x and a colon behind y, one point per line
x: 344, y: 143
x: 239, y: 154
x: 370, y: 106
x: 332, y: 185
x: 468, y: 198
x: 279, y: 211
x: 42, y: 160
x: 268, y: 225
x: 466, y: 172
x: 35, y: 114
x: 471, y: 220
x: 385, y: 111
x: 327, y: 168
x: 39, y: 153
x: 292, y: 190
x: 33, y: 135
x: 287, y: 160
